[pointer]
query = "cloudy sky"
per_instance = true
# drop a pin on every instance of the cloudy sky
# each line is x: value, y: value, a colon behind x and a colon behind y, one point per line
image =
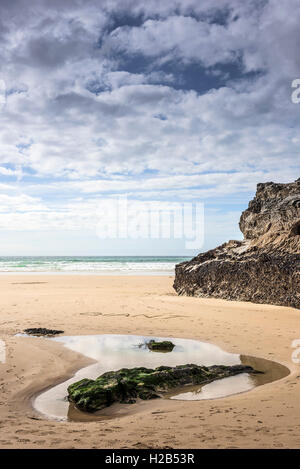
x: 173, y: 101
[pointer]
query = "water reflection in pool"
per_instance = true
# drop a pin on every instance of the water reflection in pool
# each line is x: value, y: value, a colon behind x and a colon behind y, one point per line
x: 112, y: 352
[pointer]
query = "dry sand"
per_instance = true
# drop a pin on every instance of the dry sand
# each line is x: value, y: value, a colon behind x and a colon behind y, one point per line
x: 268, y: 416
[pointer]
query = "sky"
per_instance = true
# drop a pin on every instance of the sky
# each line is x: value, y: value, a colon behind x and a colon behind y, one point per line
x: 173, y: 102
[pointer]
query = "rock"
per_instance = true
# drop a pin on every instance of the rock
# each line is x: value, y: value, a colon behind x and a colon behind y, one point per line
x: 164, y: 346
x: 272, y: 219
x: 126, y: 385
x: 42, y: 331
x: 265, y: 266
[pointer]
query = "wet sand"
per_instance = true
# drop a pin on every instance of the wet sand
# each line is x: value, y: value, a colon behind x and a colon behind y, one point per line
x: 268, y: 416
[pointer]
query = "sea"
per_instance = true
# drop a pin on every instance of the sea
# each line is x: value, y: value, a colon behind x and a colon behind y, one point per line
x: 105, y: 265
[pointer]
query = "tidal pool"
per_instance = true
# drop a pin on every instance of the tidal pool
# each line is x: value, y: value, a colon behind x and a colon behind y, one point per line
x: 112, y: 352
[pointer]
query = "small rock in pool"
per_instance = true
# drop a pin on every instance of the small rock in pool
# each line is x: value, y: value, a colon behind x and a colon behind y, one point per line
x: 164, y: 346
x: 42, y: 331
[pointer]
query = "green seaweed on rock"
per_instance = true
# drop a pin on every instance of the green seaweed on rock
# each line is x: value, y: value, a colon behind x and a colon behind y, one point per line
x: 163, y: 346
x: 127, y: 385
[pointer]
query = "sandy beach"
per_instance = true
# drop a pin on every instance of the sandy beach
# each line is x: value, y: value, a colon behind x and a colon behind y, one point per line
x: 266, y: 417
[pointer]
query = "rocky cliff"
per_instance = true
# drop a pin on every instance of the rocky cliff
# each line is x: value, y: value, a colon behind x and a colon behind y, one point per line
x: 265, y: 266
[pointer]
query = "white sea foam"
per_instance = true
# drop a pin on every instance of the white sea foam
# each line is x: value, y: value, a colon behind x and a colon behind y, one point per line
x: 128, y: 265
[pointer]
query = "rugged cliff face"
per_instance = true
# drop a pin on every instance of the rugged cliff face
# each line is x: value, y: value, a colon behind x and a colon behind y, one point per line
x: 265, y: 266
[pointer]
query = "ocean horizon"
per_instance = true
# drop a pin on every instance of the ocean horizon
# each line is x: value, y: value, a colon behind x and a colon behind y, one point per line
x: 123, y: 265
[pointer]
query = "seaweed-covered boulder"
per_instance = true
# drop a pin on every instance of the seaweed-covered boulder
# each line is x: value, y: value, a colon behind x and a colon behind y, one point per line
x: 163, y: 346
x: 126, y: 385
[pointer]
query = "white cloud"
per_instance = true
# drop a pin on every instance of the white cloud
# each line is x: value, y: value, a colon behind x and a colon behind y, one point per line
x: 76, y: 122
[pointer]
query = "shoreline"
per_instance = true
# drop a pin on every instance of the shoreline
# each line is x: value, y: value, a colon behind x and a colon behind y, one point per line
x: 96, y: 273
x: 145, y: 305
x: 90, y: 265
